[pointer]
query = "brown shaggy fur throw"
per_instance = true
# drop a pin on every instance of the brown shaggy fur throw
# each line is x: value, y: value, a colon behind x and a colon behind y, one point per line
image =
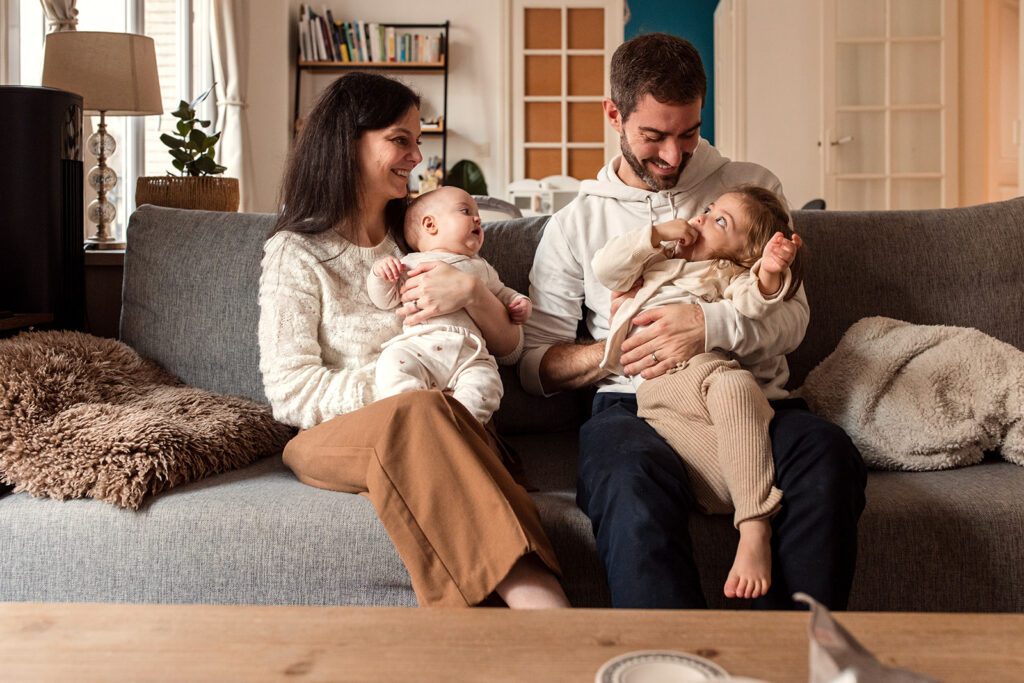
x: 82, y: 416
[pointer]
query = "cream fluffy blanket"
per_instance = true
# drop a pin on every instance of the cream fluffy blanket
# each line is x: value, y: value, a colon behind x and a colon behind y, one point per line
x: 82, y: 416
x: 922, y: 397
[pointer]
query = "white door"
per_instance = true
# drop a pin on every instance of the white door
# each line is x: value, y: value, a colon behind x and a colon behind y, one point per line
x: 890, y: 104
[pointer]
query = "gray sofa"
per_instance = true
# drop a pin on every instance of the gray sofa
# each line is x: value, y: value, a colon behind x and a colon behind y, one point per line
x: 950, y: 540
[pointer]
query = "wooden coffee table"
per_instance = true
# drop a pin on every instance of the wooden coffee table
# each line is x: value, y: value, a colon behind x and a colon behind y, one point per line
x: 218, y: 643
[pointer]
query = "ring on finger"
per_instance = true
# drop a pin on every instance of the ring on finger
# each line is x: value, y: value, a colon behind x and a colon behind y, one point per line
x: 654, y: 357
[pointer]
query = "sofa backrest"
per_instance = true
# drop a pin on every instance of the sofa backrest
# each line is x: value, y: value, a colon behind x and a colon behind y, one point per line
x: 959, y: 267
x: 191, y: 281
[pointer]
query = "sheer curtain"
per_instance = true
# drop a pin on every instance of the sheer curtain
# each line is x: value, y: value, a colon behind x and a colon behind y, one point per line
x: 230, y: 43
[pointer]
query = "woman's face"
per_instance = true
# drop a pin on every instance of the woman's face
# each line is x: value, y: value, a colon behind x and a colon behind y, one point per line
x: 388, y: 155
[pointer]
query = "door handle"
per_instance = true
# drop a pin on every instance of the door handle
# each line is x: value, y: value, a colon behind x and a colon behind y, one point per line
x: 841, y: 141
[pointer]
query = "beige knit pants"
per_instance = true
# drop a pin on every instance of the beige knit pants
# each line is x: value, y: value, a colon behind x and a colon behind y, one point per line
x: 714, y: 415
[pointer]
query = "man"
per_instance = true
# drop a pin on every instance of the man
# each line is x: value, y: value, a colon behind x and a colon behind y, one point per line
x: 631, y: 484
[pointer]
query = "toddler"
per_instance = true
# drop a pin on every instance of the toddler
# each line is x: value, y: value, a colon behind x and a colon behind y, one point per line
x: 447, y: 352
x: 709, y: 409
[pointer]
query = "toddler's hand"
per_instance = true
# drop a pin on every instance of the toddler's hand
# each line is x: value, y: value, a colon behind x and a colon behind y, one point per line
x: 389, y: 268
x: 519, y: 310
x: 677, y: 229
x: 780, y: 252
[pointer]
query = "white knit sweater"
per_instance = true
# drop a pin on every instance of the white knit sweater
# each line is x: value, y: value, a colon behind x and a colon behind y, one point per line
x: 319, y: 333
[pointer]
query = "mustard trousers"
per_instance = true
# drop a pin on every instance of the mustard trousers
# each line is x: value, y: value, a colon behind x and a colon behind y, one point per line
x: 459, y: 520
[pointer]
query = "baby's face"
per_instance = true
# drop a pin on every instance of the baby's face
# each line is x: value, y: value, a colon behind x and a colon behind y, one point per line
x: 723, y: 230
x: 457, y: 224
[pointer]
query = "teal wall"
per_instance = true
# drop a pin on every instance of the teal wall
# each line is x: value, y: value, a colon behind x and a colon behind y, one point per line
x: 689, y: 19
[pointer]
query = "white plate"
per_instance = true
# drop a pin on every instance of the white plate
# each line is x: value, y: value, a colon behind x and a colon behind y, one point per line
x: 659, y: 666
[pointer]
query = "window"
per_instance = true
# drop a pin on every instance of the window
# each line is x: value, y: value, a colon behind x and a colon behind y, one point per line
x: 178, y: 28
x: 561, y: 52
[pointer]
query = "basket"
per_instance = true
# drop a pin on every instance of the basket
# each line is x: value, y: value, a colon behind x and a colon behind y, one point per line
x: 208, y: 193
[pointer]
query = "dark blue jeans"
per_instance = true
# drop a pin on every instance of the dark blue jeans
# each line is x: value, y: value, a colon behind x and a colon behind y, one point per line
x: 636, y: 492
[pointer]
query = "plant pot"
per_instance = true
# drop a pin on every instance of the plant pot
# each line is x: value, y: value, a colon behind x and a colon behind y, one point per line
x: 209, y: 193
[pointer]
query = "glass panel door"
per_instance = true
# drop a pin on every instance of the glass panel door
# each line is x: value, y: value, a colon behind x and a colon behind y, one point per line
x: 890, y: 104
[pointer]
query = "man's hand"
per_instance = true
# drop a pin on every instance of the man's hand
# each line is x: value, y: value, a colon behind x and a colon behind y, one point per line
x: 669, y: 335
x: 519, y: 310
x: 780, y: 253
x: 389, y: 268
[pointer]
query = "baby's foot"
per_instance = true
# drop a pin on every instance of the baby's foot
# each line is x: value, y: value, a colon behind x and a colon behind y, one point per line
x: 751, y: 572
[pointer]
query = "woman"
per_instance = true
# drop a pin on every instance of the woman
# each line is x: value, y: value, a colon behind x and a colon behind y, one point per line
x: 460, y: 523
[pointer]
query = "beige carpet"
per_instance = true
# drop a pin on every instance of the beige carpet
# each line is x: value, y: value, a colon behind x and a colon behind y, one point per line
x: 82, y: 416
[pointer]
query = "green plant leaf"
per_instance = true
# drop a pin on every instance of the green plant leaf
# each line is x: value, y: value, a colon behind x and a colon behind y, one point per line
x: 182, y: 111
x: 184, y: 128
x: 206, y: 165
x: 172, y: 142
x: 181, y: 156
x: 204, y: 124
x: 178, y: 164
x: 212, y: 141
x: 197, y: 138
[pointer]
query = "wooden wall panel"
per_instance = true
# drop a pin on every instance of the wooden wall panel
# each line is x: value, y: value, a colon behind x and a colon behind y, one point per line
x: 586, y: 75
x: 544, y: 121
x: 543, y: 29
x: 585, y: 163
x: 586, y: 122
x: 543, y: 75
x: 586, y: 28
x: 541, y: 163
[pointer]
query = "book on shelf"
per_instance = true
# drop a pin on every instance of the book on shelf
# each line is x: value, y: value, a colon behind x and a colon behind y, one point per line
x: 322, y: 38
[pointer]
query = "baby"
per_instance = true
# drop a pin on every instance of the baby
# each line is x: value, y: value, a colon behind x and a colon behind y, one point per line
x: 710, y: 410
x: 447, y: 352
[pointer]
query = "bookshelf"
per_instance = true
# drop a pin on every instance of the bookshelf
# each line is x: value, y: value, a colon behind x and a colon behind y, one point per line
x: 439, y: 67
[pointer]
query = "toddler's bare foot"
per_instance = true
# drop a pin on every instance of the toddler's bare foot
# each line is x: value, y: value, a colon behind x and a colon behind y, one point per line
x: 751, y: 572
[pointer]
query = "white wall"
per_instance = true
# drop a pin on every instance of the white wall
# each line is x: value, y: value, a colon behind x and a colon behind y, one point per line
x: 478, y: 126
x: 269, y: 110
x: 783, y: 99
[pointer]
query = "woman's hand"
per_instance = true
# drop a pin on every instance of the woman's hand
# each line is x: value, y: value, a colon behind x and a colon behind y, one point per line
x: 436, y: 288
x: 669, y: 335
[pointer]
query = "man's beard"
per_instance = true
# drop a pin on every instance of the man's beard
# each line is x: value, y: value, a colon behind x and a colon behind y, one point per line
x: 655, y: 182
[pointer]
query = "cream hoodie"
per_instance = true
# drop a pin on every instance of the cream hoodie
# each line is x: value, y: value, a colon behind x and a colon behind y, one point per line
x: 564, y: 288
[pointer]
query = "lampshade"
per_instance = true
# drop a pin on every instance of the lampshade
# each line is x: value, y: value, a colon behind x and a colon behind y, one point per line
x: 114, y: 73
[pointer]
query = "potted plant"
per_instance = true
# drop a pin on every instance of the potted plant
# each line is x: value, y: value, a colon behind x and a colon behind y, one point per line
x: 192, y: 154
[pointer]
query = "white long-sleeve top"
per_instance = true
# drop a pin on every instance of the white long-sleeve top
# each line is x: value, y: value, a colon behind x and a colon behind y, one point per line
x: 387, y: 295
x: 670, y: 280
x: 319, y: 333
x: 563, y: 286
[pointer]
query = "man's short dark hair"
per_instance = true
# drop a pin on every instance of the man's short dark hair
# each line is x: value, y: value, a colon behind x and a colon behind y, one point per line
x: 666, y: 67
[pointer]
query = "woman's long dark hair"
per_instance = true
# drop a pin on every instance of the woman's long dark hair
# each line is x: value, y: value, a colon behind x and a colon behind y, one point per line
x: 320, y: 189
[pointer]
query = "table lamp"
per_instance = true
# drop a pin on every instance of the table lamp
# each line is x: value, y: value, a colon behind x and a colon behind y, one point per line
x: 115, y: 73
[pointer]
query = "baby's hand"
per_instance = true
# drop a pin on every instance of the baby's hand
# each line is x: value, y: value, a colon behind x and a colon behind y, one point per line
x: 519, y: 310
x: 677, y: 229
x: 780, y: 252
x: 389, y: 268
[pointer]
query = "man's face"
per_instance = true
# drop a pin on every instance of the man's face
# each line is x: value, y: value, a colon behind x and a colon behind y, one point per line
x: 657, y: 141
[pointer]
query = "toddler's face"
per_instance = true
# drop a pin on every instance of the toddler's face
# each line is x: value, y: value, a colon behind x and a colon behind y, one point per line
x: 457, y: 224
x: 723, y: 229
